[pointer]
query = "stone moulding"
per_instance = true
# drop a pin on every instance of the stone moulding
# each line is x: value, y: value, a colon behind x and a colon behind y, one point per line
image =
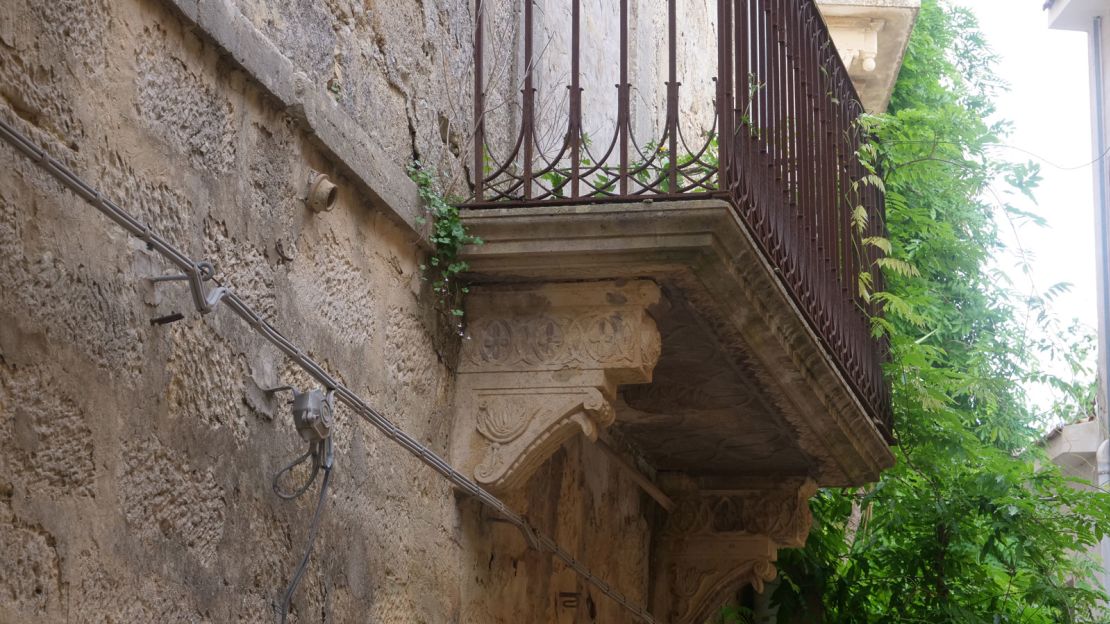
x: 342, y: 139
x: 542, y: 364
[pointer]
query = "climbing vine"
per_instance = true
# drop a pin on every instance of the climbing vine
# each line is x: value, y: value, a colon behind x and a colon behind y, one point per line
x: 444, y: 267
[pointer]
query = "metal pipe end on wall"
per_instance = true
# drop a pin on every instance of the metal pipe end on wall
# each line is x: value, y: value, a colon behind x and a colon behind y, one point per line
x: 322, y: 193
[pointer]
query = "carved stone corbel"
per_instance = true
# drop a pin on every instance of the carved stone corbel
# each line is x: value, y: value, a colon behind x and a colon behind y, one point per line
x: 717, y: 541
x: 543, y: 363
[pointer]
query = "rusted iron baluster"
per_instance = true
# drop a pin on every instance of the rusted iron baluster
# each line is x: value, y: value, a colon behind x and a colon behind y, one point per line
x: 855, y: 264
x: 861, y: 254
x: 844, y: 216
x: 724, y: 92
x: 824, y: 184
x: 793, y: 223
x: 775, y: 132
x: 528, y: 112
x: 761, y: 167
x: 739, y: 135
x: 813, y: 153
x: 835, y: 236
x: 786, y: 218
x: 574, y: 134
x: 797, y: 156
x: 672, y: 97
x: 813, y: 188
x: 479, y: 106
x: 885, y: 405
x: 828, y: 219
x: 623, y: 114
x: 835, y: 311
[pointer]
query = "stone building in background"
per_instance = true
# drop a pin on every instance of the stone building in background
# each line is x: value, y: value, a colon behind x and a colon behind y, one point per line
x: 665, y: 350
x: 1083, y: 449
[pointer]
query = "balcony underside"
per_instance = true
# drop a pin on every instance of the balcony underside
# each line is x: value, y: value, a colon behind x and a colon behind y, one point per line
x: 743, y: 388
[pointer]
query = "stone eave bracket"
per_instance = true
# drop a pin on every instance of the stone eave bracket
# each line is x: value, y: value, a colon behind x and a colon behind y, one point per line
x: 542, y: 364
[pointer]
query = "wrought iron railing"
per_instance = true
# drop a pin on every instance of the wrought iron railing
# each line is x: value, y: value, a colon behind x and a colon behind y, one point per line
x: 781, y: 148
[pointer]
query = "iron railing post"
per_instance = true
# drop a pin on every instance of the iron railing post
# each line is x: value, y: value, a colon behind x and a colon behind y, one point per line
x: 623, y: 114
x: 479, y: 105
x: 574, y: 134
x: 528, y: 110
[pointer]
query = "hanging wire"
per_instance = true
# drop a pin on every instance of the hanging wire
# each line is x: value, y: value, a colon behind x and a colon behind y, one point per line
x: 196, y: 273
x: 322, y: 453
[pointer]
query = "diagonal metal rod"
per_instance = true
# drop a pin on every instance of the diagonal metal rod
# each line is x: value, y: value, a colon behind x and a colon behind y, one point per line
x: 206, y: 300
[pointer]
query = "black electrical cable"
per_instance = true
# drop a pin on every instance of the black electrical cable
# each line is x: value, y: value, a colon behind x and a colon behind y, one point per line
x: 290, y: 466
x: 322, y: 458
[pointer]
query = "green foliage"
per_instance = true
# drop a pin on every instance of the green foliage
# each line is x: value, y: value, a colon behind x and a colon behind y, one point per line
x: 448, y: 237
x: 973, y: 524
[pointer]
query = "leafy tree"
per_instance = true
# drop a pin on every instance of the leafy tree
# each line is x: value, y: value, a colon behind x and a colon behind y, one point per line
x: 972, y: 524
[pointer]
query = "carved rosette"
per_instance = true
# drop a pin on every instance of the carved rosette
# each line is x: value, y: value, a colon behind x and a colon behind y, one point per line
x: 718, y: 541
x: 543, y: 363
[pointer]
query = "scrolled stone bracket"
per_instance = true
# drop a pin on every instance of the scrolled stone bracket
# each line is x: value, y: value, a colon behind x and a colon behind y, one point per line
x: 717, y: 541
x: 523, y: 428
x: 543, y: 363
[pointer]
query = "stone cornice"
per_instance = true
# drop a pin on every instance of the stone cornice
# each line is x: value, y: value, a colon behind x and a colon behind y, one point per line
x: 340, y: 137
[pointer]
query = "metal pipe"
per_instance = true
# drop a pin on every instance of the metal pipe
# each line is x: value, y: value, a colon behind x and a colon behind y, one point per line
x: 1103, y: 209
x: 1103, y: 453
x: 1102, y: 460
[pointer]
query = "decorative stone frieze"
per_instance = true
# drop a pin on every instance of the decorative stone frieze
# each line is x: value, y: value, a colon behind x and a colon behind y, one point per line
x: 543, y: 363
x: 717, y: 541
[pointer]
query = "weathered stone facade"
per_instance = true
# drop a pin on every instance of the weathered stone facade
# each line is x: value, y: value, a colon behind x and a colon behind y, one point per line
x: 135, y: 472
x: 136, y: 462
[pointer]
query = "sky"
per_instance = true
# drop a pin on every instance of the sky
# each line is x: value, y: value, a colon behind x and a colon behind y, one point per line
x: 1049, y: 106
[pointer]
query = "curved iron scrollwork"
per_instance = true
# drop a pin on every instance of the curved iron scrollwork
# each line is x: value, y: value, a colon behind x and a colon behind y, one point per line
x: 781, y: 148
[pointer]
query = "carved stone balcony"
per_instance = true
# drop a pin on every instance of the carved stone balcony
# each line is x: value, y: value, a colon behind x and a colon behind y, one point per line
x: 699, y: 301
x: 663, y: 322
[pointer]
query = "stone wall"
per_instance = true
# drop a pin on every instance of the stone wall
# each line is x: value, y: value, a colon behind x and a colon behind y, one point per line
x: 136, y: 465
x: 696, y: 60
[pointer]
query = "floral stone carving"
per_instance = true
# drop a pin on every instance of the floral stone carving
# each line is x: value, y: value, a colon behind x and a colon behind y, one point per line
x: 542, y: 364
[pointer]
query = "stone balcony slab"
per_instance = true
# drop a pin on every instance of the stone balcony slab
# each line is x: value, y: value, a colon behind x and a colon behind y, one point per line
x: 743, y: 388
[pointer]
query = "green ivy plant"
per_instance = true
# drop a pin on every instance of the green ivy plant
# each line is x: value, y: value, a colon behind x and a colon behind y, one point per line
x: 974, y: 523
x: 444, y: 267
